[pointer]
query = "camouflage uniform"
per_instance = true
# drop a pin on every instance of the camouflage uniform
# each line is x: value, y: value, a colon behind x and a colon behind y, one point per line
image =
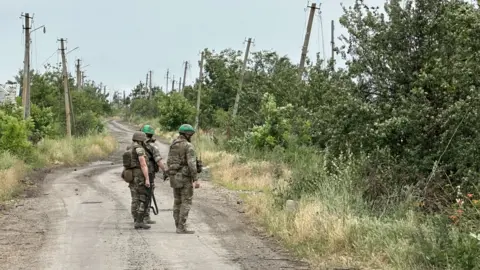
x: 138, y: 190
x: 153, y: 157
x: 182, y: 170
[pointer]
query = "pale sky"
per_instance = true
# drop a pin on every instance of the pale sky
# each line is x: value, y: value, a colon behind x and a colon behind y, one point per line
x: 121, y: 40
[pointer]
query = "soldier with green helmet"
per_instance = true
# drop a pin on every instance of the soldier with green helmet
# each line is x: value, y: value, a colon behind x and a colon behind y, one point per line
x: 155, y: 164
x: 182, y: 170
x: 141, y: 181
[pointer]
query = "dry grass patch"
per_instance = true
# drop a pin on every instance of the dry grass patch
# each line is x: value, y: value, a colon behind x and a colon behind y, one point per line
x: 329, y: 238
x: 231, y: 171
x: 76, y: 150
x: 11, y: 171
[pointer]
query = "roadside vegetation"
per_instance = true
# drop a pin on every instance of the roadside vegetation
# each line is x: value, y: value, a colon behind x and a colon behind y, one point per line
x: 40, y: 140
x: 380, y: 158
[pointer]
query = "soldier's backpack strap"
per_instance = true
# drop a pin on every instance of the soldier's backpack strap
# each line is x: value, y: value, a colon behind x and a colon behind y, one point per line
x: 176, y: 141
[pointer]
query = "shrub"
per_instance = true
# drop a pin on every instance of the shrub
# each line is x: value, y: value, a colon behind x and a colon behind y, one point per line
x: 174, y: 111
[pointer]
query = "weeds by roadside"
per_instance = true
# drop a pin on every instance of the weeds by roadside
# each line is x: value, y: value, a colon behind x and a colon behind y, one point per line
x: 50, y: 152
x: 335, y: 226
x: 11, y: 171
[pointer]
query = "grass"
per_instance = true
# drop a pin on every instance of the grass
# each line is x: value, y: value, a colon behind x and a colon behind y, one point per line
x: 74, y: 151
x: 334, y: 226
x: 12, y: 171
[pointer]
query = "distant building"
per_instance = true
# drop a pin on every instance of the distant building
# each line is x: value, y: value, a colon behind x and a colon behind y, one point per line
x: 8, y: 93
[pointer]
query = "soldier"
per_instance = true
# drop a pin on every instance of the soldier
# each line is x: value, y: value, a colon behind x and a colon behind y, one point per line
x: 154, y: 164
x: 141, y: 181
x: 182, y: 169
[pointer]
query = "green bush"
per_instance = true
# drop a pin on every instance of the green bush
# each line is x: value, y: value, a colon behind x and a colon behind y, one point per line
x: 174, y: 110
x: 43, y: 123
x: 14, y: 133
x: 88, y: 123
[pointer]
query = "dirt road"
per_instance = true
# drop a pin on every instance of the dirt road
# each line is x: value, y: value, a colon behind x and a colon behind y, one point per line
x: 81, y: 220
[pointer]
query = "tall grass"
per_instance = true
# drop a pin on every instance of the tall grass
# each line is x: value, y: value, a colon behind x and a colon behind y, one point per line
x: 49, y: 152
x: 11, y: 171
x: 332, y: 224
x: 76, y: 150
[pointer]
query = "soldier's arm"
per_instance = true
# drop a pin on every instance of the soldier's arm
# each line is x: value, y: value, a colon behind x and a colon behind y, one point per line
x: 143, y: 163
x: 158, y: 158
x: 192, y: 162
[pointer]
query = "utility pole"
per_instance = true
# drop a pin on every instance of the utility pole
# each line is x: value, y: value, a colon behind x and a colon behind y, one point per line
x: 173, y: 83
x: 26, y: 69
x: 167, y: 77
x: 313, y: 7
x: 184, y: 75
x: 79, y: 74
x: 150, y: 82
x: 124, y: 102
x: 245, y: 59
x: 146, y: 86
x: 332, y: 39
x: 199, y: 91
x: 65, y: 87
x: 180, y: 84
x: 83, y: 78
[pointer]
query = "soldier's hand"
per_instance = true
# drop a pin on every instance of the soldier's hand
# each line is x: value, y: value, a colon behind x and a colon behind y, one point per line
x: 147, y: 183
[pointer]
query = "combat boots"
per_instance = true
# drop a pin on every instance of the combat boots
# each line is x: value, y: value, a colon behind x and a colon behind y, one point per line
x: 147, y: 220
x: 181, y: 229
x: 140, y: 224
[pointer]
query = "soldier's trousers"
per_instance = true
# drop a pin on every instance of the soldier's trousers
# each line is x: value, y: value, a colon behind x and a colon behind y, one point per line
x: 133, y: 203
x: 139, y: 194
x: 182, y: 202
x: 151, y: 176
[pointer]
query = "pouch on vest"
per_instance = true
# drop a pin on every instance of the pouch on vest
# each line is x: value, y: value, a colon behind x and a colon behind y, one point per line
x: 127, y: 158
x: 127, y: 175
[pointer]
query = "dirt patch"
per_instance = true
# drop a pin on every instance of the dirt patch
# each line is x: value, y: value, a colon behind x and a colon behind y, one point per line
x: 31, y: 187
x: 22, y: 223
x: 223, y: 211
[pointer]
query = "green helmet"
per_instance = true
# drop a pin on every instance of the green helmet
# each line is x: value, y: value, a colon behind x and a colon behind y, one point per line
x: 139, y: 136
x: 147, y: 129
x: 186, y: 128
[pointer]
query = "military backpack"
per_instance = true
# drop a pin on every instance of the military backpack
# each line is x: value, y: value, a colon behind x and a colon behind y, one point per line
x: 128, y: 164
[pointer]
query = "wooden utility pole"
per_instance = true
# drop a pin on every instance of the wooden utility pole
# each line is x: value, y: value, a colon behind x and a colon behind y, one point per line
x: 184, y: 75
x: 79, y: 74
x: 150, y: 80
x: 26, y: 69
x: 199, y: 91
x: 173, y: 83
x: 240, y: 84
x: 83, y: 78
x: 124, y: 102
x: 313, y: 7
x: 180, y: 84
x: 167, y: 77
x: 146, y: 86
x: 332, y: 39
x: 150, y: 84
x: 65, y: 87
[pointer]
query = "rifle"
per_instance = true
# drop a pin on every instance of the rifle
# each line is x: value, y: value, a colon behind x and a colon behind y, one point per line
x: 152, y: 198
